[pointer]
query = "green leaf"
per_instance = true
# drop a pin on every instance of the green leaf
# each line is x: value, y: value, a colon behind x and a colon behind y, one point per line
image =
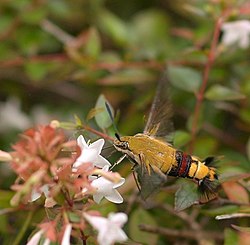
x: 153, y: 20
x: 31, y: 40
x: 231, y: 237
x: 128, y: 76
x: 248, y: 148
x: 181, y: 138
x: 138, y: 217
x: 219, y: 92
x: 205, y: 145
x: 78, y: 120
x: 5, y: 197
x: 184, y: 78
x: 151, y: 44
x: 245, y: 115
x: 93, y: 112
x: 37, y: 71
x: 68, y: 125
x: 221, y: 210
x: 5, y: 22
x: 186, y: 196
x: 34, y: 16
x: 105, y: 208
x: 102, y: 118
x: 4, y: 226
x: 200, y: 122
x: 93, y: 44
x: 73, y: 217
x: 114, y: 27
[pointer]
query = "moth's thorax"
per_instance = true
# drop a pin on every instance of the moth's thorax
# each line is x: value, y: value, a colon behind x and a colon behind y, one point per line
x: 147, y: 150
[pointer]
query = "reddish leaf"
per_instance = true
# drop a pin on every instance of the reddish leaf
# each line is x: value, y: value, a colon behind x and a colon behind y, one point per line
x: 242, y: 229
x: 236, y: 192
x: 244, y: 238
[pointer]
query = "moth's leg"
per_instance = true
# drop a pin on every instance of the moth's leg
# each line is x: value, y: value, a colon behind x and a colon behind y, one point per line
x: 136, y: 181
x: 135, y: 164
x: 144, y: 163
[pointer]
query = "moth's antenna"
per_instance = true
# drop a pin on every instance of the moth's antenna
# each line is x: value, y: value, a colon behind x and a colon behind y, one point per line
x: 112, y: 119
x: 117, y: 136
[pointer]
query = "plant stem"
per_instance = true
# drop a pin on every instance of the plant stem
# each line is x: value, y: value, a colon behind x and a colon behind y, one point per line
x: 24, y: 227
x: 105, y: 136
x: 200, y: 94
x: 186, y: 234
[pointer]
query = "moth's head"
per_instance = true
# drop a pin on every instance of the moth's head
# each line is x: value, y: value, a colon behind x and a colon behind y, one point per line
x: 121, y: 143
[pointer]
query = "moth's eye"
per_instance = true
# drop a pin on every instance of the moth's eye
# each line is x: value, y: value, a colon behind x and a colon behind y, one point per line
x: 124, y: 145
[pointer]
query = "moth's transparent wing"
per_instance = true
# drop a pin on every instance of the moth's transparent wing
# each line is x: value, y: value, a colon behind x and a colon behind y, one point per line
x: 159, y: 123
x: 108, y: 150
x: 150, y: 182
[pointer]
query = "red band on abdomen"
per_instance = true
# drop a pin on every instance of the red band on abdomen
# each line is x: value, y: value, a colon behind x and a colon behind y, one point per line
x: 183, y: 165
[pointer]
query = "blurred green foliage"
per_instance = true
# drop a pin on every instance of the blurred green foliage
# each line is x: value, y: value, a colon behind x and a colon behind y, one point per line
x: 57, y: 57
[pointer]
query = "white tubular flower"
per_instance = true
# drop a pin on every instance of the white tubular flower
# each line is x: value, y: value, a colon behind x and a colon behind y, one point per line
x: 46, y: 242
x: 35, y: 239
x: 5, y: 156
x: 66, y: 235
x: 90, y: 153
x: 109, y: 229
x: 37, y: 194
x: 236, y: 32
x: 107, y: 189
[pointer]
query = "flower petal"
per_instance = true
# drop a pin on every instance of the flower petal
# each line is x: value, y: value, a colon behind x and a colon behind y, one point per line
x: 99, y: 223
x: 118, y: 218
x: 86, y: 156
x: 5, y: 156
x: 35, y: 238
x: 120, y: 236
x: 121, y: 182
x: 90, y: 153
x: 46, y: 242
x: 114, y: 197
x: 236, y: 32
x: 97, y: 145
x: 45, y: 190
x: 35, y: 195
x: 102, y: 185
x: 66, y: 235
x: 81, y: 142
x: 106, y: 168
x: 101, y: 162
x: 244, y: 42
x: 108, y: 231
x: 98, y: 197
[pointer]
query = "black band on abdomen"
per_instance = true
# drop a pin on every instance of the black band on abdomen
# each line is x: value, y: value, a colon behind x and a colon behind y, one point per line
x: 175, y: 169
x: 182, y: 167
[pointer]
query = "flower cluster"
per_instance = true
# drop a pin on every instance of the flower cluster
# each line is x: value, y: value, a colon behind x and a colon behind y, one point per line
x: 67, y: 172
x: 38, y: 161
x: 105, y: 185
